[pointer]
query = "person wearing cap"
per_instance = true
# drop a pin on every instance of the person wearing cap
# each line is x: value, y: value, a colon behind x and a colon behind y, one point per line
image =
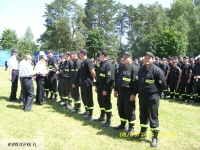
x: 86, y: 75
x: 126, y: 80
x: 185, y: 83
x: 75, y: 83
x: 151, y: 83
x: 41, y: 71
x: 68, y: 66
x: 115, y: 64
x: 61, y: 83
x: 174, y: 80
x: 196, y: 73
x: 104, y: 85
x: 52, y: 77
x: 165, y: 68
x: 180, y: 60
x: 136, y: 62
x: 26, y: 73
x: 13, y: 75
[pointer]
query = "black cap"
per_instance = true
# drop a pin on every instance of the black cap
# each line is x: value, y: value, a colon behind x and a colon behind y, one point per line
x: 164, y: 59
x: 83, y: 51
x: 67, y: 53
x: 15, y: 51
x: 113, y: 57
x: 50, y: 51
x: 128, y: 53
x: 186, y: 57
x: 175, y: 57
x: 73, y: 52
x: 150, y: 54
x: 104, y: 52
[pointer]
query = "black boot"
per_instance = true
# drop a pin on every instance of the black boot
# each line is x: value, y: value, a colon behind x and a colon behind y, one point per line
x: 122, y: 126
x: 171, y: 96
x: 102, y: 117
x: 130, y: 129
x: 51, y: 96
x: 89, y: 116
x: 108, y: 120
x: 55, y: 97
x: 183, y: 98
x: 154, y: 141
x: 165, y: 95
x: 143, y: 133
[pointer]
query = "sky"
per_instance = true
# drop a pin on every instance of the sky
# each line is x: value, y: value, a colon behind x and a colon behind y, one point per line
x: 20, y: 14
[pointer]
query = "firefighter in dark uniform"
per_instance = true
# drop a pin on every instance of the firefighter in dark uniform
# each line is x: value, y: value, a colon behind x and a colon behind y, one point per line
x: 151, y: 83
x: 52, y: 77
x: 86, y: 74
x: 165, y: 68
x: 61, y: 87
x: 192, y: 63
x: 124, y: 93
x: 196, y: 73
x: 104, y: 85
x: 75, y: 83
x: 185, y: 83
x: 174, y: 80
x: 68, y: 65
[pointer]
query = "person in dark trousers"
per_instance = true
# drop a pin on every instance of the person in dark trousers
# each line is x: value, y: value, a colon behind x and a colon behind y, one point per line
x: 151, y: 83
x: 174, y: 80
x: 196, y: 73
x: 52, y: 77
x: 26, y: 73
x: 185, y: 82
x: 41, y: 71
x: 104, y: 85
x: 14, y: 75
x: 86, y: 75
x: 68, y: 65
x: 6, y: 65
x: 75, y: 83
x: 126, y: 79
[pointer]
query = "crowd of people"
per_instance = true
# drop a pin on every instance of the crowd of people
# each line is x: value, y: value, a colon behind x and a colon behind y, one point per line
x: 149, y: 77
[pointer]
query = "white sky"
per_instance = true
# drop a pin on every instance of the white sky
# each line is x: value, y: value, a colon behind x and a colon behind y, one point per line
x: 20, y: 14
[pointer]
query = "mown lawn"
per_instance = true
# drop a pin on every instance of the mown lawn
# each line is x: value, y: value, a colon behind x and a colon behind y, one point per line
x: 52, y: 127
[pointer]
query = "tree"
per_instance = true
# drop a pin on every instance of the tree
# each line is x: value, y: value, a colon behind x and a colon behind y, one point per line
x: 26, y: 44
x: 8, y: 40
x: 95, y: 42
x: 64, y: 26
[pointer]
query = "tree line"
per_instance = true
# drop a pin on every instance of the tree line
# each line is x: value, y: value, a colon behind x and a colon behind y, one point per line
x: 106, y: 24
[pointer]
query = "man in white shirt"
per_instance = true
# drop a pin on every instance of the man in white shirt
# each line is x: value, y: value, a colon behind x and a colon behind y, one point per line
x: 26, y: 73
x: 13, y: 75
x: 41, y: 71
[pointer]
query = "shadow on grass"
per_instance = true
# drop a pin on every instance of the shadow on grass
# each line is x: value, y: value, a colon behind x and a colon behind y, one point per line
x: 4, y: 98
x: 181, y: 102
x: 14, y: 107
x: 101, y: 130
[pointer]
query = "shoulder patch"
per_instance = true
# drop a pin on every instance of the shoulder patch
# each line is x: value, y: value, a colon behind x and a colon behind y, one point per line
x: 160, y: 81
x: 109, y: 73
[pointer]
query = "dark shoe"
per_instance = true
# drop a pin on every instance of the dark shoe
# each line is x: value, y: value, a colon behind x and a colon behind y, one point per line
x: 54, y: 99
x: 130, y: 131
x: 99, y: 119
x: 106, y: 124
x: 76, y: 111
x: 85, y: 113
x: 50, y: 98
x: 28, y: 110
x: 88, y: 117
x: 120, y: 127
x: 154, y: 142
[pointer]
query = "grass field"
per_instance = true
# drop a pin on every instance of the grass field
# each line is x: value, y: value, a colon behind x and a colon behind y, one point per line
x: 52, y: 127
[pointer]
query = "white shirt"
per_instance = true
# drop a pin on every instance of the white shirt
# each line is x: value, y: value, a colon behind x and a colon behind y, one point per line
x: 14, y: 63
x: 41, y: 68
x: 26, y: 70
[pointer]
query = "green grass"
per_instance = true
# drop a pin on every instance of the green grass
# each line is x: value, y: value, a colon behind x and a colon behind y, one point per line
x: 55, y: 128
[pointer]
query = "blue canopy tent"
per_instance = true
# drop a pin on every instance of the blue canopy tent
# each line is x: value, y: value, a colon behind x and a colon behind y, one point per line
x: 4, y: 55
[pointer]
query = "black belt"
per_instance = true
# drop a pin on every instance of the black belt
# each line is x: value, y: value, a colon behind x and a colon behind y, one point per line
x: 15, y: 70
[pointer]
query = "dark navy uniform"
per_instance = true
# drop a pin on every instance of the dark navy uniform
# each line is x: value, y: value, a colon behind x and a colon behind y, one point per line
x: 86, y: 85
x: 75, y: 91
x: 185, y: 86
x: 173, y: 81
x: 105, y: 79
x: 127, y: 77
x: 151, y: 83
x: 196, y: 73
x: 52, y: 77
x: 61, y: 82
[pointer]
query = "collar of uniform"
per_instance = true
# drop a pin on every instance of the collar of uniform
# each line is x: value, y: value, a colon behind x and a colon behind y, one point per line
x: 149, y: 68
x: 128, y: 67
